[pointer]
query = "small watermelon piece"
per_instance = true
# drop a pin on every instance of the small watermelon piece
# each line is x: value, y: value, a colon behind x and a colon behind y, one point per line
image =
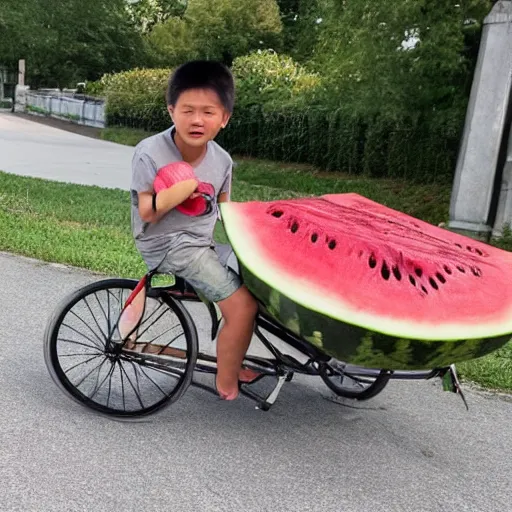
x: 371, y: 285
x: 176, y: 172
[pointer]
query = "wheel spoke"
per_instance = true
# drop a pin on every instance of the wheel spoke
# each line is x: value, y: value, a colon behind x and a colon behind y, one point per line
x: 82, y: 334
x: 81, y: 363
x: 95, y: 320
x: 74, y: 342
x: 94, y: 343
x: 131, y: 384
x: 165, y: 332
x: 86, y: 375
x: 153, y: 382
x: 96, y: 388
x: 107, y: 319
x: 122, y: 385
x: 149, y: 326
x: 109, y: 374
x: 81, y: 354
x: 135, y: 368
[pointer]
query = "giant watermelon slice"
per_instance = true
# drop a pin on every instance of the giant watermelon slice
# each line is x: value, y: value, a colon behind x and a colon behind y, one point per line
x: 370, y: 285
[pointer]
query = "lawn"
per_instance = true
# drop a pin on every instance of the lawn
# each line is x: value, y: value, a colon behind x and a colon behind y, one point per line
x: 89, y: 227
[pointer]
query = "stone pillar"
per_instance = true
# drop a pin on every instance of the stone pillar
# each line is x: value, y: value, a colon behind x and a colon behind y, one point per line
x: 20, y: 94
x: 475, y: 174
x: 504, y: 213
x: 21, y: 72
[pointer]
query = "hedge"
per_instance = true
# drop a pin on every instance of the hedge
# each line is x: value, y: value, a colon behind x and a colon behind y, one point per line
x: 333, y: 140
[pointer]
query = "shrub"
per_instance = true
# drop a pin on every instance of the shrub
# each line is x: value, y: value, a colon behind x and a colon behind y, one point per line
x: 136, y: 98
x: 266, y: 78
x: 277, y: 117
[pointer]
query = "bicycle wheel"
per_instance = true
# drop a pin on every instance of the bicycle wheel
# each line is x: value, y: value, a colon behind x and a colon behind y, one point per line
x: 350, y: 385
x: 87, y: 360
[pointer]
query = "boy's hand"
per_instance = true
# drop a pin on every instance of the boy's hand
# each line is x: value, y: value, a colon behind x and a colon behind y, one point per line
x: 197, y: 204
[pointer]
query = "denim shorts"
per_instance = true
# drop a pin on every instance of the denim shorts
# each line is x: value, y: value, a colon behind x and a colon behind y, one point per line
x: 207, y: 271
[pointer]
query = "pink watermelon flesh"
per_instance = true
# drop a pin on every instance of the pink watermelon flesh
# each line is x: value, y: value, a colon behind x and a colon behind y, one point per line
x: 362, y: 263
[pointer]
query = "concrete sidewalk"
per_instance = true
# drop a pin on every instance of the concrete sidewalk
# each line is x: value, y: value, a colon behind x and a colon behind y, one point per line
x: 34, y: 149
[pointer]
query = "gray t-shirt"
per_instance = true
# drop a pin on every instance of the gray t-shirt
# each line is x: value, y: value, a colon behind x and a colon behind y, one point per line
x: 176, y: 233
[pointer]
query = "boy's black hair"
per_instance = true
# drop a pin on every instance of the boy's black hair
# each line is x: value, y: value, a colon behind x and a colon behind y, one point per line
x: 203, y: 74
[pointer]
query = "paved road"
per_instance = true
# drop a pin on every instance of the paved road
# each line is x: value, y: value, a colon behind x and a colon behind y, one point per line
x: 33, y: 149
x: 412, y: 448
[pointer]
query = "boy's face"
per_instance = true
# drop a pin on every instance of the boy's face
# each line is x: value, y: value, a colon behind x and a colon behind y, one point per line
x: 198, y: 116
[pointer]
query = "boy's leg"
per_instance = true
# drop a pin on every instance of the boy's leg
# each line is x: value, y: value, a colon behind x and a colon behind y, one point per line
x: 239, y: 311
x: 206, y: 273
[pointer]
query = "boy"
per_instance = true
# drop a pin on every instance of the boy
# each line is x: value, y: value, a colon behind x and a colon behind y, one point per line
x: 200, y: 98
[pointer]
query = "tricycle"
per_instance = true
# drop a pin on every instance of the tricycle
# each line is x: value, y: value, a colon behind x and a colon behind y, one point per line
x: 137, y: 373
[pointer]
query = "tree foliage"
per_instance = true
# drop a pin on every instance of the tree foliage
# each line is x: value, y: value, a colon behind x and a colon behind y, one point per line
x: 146, y: 14
x: 66, y: 41
x: 217, y: 29
x: 302, y: 22
x: 399, y: 58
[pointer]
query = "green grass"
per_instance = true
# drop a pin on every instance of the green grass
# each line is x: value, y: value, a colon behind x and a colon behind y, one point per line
x: 89, y: 227
x: 493, y: 371
x: 127, y: 136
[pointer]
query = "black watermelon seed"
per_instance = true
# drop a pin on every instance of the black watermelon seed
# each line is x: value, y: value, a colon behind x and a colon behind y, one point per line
x: 314, y: 237
x: 441, y: 278
x: 479, y: 252
x: 433, y: 283
x: 447, y: 269
x: 412, y: 280
x: 424, y: 290
x: 461, y: 269
x: 277, y: 214
x: 294, y: 227
x: 385, y: 271
x: 458, y: 245
x: 418, y: 272
x: 396, y: 273
x: 476, y: 271
x: 372, y: 261
x: 332, y: 244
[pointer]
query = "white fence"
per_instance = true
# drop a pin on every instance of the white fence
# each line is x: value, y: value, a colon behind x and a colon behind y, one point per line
x: 87, y: 111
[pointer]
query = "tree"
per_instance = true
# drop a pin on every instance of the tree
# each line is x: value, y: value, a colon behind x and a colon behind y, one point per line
x: 302, y: 20
x: 217, y: 29
x: 398, y: 58
x: 65, y: 41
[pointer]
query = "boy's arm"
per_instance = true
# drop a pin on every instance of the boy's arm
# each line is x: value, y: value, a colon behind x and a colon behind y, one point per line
x: 164, y: 201
x: 144, y: 171
x: 225, y: 189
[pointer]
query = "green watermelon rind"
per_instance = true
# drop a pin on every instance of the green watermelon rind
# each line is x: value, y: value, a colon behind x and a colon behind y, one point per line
x: 361, y: 347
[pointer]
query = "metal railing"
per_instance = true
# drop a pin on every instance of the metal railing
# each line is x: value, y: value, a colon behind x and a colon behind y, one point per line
x: 86, y: 111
